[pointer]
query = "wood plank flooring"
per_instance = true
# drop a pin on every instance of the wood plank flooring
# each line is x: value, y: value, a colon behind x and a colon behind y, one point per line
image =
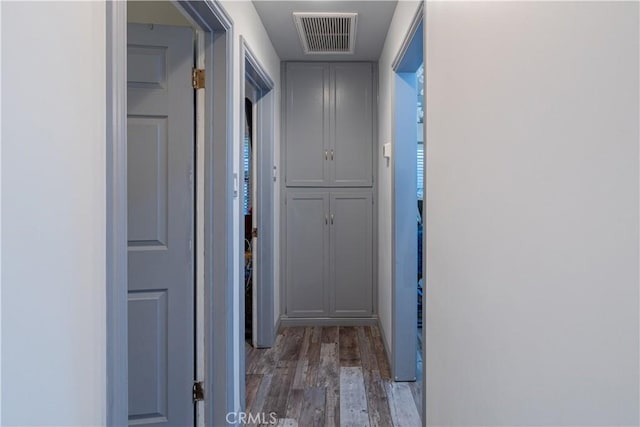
x: 329, y: 376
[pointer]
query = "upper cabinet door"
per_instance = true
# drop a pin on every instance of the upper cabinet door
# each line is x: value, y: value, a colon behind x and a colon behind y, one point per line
x: 351, y: 149
x: 307, y: 124
x: 329, y: 124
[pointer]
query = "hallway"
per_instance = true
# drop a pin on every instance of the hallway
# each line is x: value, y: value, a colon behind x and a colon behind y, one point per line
x: 316, y: 376
x: 531, y: 211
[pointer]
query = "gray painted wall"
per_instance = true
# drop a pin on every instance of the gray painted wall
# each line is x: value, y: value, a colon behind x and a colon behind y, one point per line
x: 532, y: 213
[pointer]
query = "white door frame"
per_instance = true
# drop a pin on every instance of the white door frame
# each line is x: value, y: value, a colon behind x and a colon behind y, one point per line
x: 217, y: 214
x: 404, y: 208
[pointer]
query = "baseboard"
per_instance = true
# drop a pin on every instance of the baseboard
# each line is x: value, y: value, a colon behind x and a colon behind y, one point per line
x: 387, y: 347
x: 278, y: 325
x: 328, y: 321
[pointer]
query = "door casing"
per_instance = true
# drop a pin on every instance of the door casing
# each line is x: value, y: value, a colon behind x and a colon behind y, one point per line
x: 253, y: 73
x: 216, y: 230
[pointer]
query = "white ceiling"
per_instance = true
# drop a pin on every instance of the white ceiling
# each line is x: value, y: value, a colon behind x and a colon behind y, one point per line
x: 374, y: 18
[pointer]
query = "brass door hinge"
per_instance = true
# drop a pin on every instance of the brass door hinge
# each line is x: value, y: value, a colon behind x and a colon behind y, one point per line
x: 197, y: 78
x: 198, y: 391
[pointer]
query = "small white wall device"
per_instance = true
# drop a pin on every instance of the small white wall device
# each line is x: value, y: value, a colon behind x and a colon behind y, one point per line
x: 386, y: 150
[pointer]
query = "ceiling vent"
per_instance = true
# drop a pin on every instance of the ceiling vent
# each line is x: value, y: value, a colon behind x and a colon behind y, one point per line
x: 326, y: 33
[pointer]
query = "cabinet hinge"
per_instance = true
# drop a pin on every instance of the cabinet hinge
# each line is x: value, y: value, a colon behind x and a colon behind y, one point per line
x: 198, y: 391
x: 197, y: 78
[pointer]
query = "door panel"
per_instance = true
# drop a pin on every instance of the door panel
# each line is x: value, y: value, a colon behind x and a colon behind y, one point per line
x: 307, y: 114
x: 160, y: 220
x: 147, y: 186
x: 307, y: 254
x: 351, y: 254
x: 351, y: 94
x: 148, y: 339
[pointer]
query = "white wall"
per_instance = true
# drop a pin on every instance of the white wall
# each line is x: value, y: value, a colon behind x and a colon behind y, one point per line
x: 247, y: 24
x: 402, y: 18
x: 0, y: 218
x: 532, y: 213
x: 53, y: 213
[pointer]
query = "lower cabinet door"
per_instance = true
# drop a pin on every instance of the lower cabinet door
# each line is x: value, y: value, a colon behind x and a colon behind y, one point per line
x: 351, y: 254
x: 307, y: 260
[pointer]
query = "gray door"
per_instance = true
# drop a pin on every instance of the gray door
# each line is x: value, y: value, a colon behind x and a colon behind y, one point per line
x: 160, y: 237
x: 352, y: 125
x: 351, y: 279
x: 307, y: 254
x: 307, y: 124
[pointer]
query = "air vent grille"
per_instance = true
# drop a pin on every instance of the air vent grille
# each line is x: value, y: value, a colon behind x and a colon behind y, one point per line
x: 326, y: 33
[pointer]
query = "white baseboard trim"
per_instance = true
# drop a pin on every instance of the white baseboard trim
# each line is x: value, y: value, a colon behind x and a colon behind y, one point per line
x: 278, y: 325
x: 387, y: 347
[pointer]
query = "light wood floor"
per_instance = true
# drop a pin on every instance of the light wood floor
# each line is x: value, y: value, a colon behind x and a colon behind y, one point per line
x: 329, y: 376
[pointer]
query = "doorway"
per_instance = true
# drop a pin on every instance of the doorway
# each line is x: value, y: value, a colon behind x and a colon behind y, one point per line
x: 257, y: 194
x: 249, y: 181
x: 207, y: 173
x: 407, y: 211
x: 162, y: 47
x: 161, y: 213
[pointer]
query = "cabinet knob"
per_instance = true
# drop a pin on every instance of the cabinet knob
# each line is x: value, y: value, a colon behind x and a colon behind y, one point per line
x: 326, y: 220
x: 326, y: 155
x: 331, y: 219
x: 331, y: 154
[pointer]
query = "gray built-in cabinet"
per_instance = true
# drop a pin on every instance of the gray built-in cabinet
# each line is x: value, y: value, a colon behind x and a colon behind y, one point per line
x: 329, y: 193
x: 329, y: 253
x: 329, y: 125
